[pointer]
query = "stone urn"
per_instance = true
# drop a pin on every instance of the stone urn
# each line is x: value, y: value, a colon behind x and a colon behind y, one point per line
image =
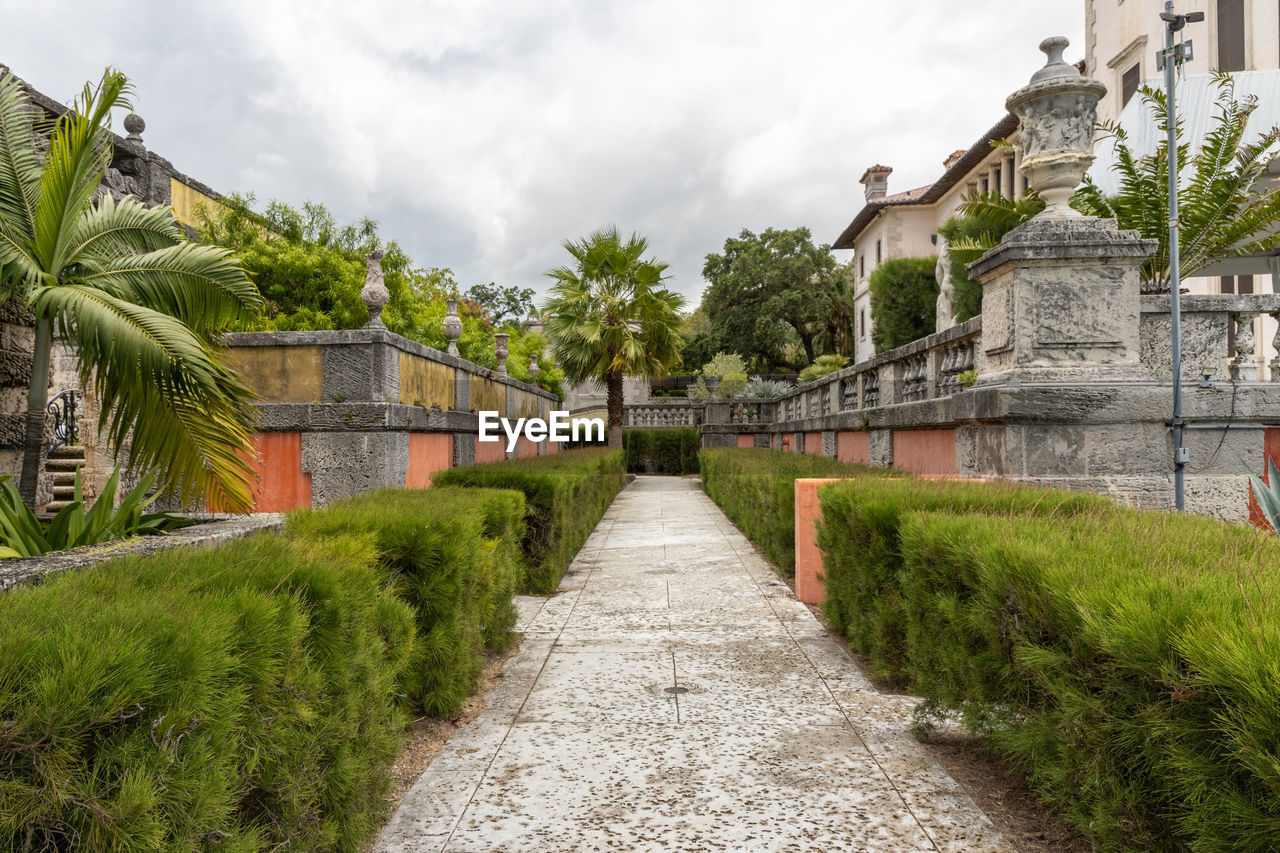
x: 713, y: 385
x: 375, y: 294
x: 452, y: 325
x: 534, y: 369
x: 1056, y: 114
x: 501, y: 349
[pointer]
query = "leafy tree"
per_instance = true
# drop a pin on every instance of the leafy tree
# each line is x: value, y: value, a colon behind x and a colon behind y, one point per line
x: 609, y: 316
x: 904, y: 296
x: 764, y: 286
x: 506, y: 304
x: 839, y: 315
x: 141, y: 307
x: 1224, y: 208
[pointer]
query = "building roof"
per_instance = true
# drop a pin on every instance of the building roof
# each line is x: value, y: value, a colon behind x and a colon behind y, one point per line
x: 932, y: 192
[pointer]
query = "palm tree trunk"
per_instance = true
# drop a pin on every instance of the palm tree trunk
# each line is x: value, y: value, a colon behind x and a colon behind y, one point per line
x: 37, y: 400
x: 614, y: 398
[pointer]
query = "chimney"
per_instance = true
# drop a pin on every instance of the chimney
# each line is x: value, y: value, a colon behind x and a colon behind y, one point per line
x: 954, y: 158
x: 876, y: 181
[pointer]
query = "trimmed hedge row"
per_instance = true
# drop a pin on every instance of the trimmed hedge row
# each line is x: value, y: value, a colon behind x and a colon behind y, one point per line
x: 662, y: 451
x: 1126, y: 661
x: 756, y: 489
x: 250, y: 696
x: 863, y: 559
x: 565, y: 494
x: 458, y: 571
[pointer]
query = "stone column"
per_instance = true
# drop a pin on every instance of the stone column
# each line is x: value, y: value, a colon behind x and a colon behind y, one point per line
x: 1060, y: 294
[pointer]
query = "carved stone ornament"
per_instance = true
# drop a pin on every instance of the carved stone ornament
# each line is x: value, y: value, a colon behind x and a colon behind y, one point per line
x: 375, y: 294
x: 534, y: 369
x: 1056, y: 113
x: 501, y: 349
x: 452, y: 325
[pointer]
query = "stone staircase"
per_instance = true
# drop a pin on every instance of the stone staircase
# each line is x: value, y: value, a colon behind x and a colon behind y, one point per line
x: 63, y: 463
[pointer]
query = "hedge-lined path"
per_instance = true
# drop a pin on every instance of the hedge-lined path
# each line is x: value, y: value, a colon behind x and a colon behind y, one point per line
x: 674, y: 695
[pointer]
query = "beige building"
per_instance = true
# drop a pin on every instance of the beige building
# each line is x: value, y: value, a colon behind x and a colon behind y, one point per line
x: 1122, y: 37
x: 905, y: 225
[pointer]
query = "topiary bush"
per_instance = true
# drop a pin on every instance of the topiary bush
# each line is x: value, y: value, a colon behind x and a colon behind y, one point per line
x: 904, y: 300
x: 1125, y: 661
x: 756, y: 489
x: 452, y: 555
x: 565, y: 493
x: 860, y: 539
x: 245, y: 696
x: 662, y: 451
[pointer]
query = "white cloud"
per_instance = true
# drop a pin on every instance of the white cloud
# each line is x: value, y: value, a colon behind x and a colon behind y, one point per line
x: 481, y: 134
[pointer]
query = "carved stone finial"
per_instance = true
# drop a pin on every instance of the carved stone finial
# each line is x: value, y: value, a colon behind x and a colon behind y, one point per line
x: 501, y: 349
x: 1056, y: 113
x: 534, y: 369
x: 135, y: 125
x: 452, y: 325
x: 375, y: 294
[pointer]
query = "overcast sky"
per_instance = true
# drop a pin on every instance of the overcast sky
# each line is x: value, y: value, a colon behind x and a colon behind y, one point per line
x: 481, y: 134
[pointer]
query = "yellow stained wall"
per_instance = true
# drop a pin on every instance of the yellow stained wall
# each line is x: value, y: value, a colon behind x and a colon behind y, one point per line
x: 526, y: 404
x: 279, y: 374
x: 488, y: 396
x: 185, y: 199
x: 425, y: 383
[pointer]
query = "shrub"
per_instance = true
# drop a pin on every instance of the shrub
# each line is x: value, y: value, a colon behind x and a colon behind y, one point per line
x: 756, y: 489
x: 1126, y: 661
x: 904, y: 298
x: 731, y: 385
x: 822, y: 366
x: 859, y: 537
x: 662, y: 451
x: 453, y: 556
x: 244, y: 696
x: 566, y: 494
x: 758, y: 387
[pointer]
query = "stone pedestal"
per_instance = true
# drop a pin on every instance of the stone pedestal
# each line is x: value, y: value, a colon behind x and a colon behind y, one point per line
x: 1060, y: 302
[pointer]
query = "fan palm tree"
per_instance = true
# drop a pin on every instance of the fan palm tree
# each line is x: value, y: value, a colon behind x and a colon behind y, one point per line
x: 609, y: 316
x: 140, y: 306
x: 1224, y: 208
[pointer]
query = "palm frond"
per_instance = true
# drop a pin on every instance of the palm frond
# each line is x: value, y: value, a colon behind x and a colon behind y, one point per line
x: 20, y: 164
x: 110, y: 230
x: 166, y: 396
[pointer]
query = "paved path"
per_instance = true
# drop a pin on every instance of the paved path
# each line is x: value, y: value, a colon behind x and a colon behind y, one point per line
x: 674, y: 695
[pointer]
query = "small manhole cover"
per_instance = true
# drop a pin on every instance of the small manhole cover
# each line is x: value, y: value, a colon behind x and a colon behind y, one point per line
x: 676, y: 690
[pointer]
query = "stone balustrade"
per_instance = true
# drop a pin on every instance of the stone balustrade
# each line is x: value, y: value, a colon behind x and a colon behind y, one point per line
x: 667, y: 414
x: 1218, y: 336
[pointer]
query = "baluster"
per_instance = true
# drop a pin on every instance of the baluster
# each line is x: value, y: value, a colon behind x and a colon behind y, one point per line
x: 1275, y: 346
x: 1244, y: 367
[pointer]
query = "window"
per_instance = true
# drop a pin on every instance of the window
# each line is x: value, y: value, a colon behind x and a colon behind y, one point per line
x: 878, y: 256
x: 1226, y: 284
x: 1129, y: 83
x: 1235, y: 284
x: 1244, y: 284
x: 1231, y: 35
x: 862, y: 266
x: 862, y: 323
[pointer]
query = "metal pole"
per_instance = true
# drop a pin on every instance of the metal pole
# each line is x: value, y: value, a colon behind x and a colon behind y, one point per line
x: 1175, y: 272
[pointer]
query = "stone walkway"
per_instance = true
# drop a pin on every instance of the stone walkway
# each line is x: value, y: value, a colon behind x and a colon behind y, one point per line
x: 674, y: 695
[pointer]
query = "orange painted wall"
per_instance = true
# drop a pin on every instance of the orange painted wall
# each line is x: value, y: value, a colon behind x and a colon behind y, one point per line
x: 526, y: 448
x: 925, y: 451
x: 1270, y: 449
x: 853, y: 447
x: 282, y: 485
x: 746, y: 440
x: 813, y: 443
x: 491, y: 451
x: 429, y: 452
x: 553, y: 447
x: 810, y: 586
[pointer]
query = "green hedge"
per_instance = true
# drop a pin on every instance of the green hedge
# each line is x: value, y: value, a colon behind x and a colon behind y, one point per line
x: 859, y: 537
x: 1128, y: 663
x: 453, y: 555
x: 662, y: 451
x: 243, y: 696
x: 566, y: 494
x: 756, y: 489
x: 252, y: 696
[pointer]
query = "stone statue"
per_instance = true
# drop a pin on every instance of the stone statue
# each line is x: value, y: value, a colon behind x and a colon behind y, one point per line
x: 945, y: 312
x: 375, y: 294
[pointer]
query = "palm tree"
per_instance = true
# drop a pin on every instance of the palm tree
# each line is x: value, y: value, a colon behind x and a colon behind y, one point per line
x: 140, y: 306
x: 1224, y: 208
x: 610, y: 317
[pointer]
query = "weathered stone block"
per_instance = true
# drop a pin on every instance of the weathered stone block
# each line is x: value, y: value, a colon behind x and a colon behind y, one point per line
x: 880, y: 447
